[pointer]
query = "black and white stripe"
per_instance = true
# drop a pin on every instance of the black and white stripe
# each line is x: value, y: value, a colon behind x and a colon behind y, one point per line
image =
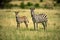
x: 40, y: 18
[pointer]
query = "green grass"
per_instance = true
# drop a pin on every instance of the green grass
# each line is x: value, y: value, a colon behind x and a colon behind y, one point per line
x: 8, y: 27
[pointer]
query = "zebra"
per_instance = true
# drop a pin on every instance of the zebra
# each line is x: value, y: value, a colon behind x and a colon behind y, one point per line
x: 20, y: 20
x: 40, y: 18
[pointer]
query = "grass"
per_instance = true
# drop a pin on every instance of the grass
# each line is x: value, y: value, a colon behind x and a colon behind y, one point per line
x: 8, y: 29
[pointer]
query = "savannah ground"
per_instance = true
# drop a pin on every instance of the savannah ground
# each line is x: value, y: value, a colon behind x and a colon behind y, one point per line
x: 8, y: 27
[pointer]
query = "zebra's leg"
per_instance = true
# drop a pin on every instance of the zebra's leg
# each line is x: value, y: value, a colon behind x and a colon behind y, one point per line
x: 26, y: 24
x: 43, y: 25
x: 46, y: 25
x: 37, y: 26
x: 34, y: 25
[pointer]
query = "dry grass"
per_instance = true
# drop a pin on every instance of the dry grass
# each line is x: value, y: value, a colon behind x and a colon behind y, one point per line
x: 9, y: 31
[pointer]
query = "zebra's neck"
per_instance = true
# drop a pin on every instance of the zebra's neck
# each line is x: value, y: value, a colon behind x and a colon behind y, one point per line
x: 32, y: 13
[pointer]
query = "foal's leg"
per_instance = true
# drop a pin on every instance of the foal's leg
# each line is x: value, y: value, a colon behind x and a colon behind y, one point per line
x: 18, y: 25
x: 26, y: 24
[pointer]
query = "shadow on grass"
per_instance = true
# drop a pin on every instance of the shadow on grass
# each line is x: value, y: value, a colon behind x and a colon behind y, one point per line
x: 23, y: 29
x: 40, y: 29
x: 1, y: 27
x: 32, y: 30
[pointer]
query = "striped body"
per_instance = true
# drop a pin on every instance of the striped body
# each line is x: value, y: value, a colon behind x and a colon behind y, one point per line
x: 22, y: 19
x: 40, y: 18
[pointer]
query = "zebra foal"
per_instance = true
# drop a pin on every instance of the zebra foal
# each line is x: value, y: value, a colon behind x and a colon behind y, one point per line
x: 20, y: 20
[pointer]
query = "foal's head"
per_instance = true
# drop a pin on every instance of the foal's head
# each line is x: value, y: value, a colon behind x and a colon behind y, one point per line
x: 16, y: 12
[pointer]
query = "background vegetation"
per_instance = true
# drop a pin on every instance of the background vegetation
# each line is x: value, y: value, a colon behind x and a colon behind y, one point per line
x: 8, y: 27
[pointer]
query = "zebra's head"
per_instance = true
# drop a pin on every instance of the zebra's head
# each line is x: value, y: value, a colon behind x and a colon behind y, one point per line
x: 32, y: 9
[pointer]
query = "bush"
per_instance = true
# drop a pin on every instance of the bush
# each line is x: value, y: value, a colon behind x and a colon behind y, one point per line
x: 3, y: 3
x: 22, y: 5
x: 41, y: 0
x: 36, y: 5
x: 48, y: 6
x: 15, y: 5
x: 8, y: 6
x: 29, y: 4
x: 58, y: 1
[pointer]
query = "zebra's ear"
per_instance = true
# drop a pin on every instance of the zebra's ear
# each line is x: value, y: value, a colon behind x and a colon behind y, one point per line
x: 32, y: 8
